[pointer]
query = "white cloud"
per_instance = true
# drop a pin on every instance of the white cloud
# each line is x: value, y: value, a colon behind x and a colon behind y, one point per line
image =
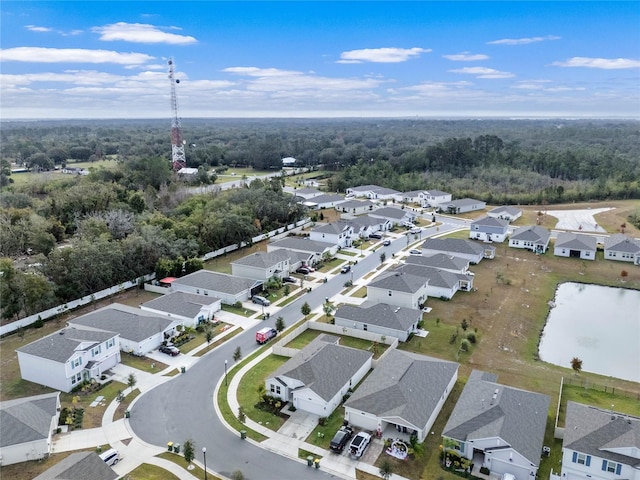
x: 483, y: 72
x: 523, y: 41
x: 35, y: 28
x: 141, y: 33
x: 603, y: 63
x: 381, y: 55
x: 260, y: 72
x: 543, y: 86
x: 467, y: 57
x: 74, y: 55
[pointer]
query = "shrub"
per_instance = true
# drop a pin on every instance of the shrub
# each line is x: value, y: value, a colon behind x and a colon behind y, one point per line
x: 471, y: 336
x: 39, y: 323
x: 322, y: 421
x: 464, y: 345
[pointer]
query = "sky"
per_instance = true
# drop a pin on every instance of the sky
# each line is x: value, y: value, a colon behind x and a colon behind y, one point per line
x: 506, y: 59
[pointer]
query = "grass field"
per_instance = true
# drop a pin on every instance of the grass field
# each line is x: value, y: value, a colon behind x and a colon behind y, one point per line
x: 150, y: 472
x: 178, y: 459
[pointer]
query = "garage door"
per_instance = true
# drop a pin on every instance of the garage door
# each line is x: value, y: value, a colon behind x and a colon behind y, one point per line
x: 500, y: 467
x: 310, y: 406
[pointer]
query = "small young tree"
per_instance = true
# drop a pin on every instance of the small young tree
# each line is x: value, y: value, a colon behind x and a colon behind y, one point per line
x: 464, y: 324
x: 241, y: 415
x: 328, y: 309
x: 189, y: 450
x: 305, y: 309
x: 386, y: 471
x: 383, y: 257
x: 209, y: 335
x: 237, y: 354
x: 131, y: 381
x: 286, y: 290
x: 576, y: 364
x: 280, y: 324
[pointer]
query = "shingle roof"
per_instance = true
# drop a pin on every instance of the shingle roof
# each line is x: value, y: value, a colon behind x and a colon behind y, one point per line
x: 596, y: 432
x: 327, y: 198
x: 308, y: 191
x: 412, y: 193
x: 27, y: 419
x: 216, y: 282
x: 365, y: 221
x: 435, y: 276
x: 487, y: 409
x: 332, y: 228
x: 532, y: 233
x: 324, y: 367
x: 356, y: 204
x: 576, y: 241
x: 463, y: 202
x: 389, y: 212
x: 491, y: 222
x: 263, y: 259
x: 60, y: 345
x: 381, y: 314
x: 513, y: 211
x: 399, y: 281
x: 404, y: 385
x: 456, y: 245
x: 305, y: 244
x: 79, y: 466
x: 436, y: 193
x: 622, y: 243
x: 439, y: 260
x: 131, y: 323
x: 180, y: 303
x: 376, y: 189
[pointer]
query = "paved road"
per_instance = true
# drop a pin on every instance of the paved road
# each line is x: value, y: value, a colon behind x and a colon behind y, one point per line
x: 183, y: 407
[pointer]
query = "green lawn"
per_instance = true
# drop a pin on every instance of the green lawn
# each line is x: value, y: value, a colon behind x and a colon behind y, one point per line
x: 360, y: 293
x: 245, y: 312
x: 595, y: 395
x: 150, y: 472
x: 303, y: 339
x: 291, y: 298
x: 178, y: 459
x: 141, y: 363
x: 330, y: 265
x: 321, y: 435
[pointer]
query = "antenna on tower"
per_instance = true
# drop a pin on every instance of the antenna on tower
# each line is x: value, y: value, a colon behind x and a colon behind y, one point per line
x: 178, y: 159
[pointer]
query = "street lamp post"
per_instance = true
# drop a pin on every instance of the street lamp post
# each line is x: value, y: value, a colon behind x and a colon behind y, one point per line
x: 204, y: 454
x: 225, y: 374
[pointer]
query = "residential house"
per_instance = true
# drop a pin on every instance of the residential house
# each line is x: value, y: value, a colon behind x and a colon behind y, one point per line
x: 463, y: 205
x: 498, y: 427
x: 414, y: 196
x: 288, y: 161
x: 66, y: 358
x: 398, y: 288
x: 314, y: 249
x: 324, y: 201
x: 434, y: 198
x: 441, y: 261
x: 532, y: 237
x: 316, y: 379
x: 380, y: 318
x: 440, y: 283
x: 405, y: 393
x: 28, y: 425
x: 600, y: 444
x: 365, y: 225
x: 262, y: 265
x: 575, y: 245
x: 489, y: 229
x: 457, y: 247
x: 189, y: 309
x: 228, y: 288
x: 397, y: 216
x: 139, y: 331
x: 622, y: 248
x: 338, y: 233
x: 79, y: 466
x: 307, y: 193
x: 355, y: 207
x: 508, y: 213
x: 373, y: 192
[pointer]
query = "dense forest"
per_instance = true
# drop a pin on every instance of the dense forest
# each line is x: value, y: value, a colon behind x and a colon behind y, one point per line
x: 82, y: 234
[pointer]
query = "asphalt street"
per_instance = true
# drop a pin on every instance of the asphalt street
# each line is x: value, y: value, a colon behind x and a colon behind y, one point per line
x: 183, y: 408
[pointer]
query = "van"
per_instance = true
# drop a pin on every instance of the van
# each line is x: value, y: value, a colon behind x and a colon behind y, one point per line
x: 260, y: 300
x: 110, y: 457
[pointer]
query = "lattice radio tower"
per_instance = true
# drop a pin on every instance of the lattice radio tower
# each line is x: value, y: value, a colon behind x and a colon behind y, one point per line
x: 178, y: 159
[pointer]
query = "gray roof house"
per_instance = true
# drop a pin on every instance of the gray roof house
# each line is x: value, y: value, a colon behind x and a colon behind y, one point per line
x: 622, y: 248
x: 316, y: 378
x: 28, y: 425
x: 413, y: 196
x: 339, y: 233
x: 139, y: 331
x: 508, y: 213
x: 532, y: 237
x: 405, y: 392
x: 66, y: 358
x: 79, y: 466
x: 364, y: 225
x: 600, y: 444
x: 355, y: 207
x: 499, y: 427
x: 441, y: 261
x: 262, y: 265
x: 188, y: 308
x: 458, y: 247
x: 380, y: 318
x: 397, y: 216
x: 489, y: 229
x: 433, y: 198
x: 313, y: 248
x: 441, y: 283
x: 575, y: 245
x: 307, y: 193
x: 228, y: 288
x: 462, y: 205
x: 398, y: 288
x: 324, y: 201
x: 373, y: 192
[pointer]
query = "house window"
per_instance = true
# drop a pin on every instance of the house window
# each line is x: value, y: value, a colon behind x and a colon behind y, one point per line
x: 611, y: 467
x: 96, y: 351
x: 110, y: 343
x: 76, y: 362
x: 581, y: 459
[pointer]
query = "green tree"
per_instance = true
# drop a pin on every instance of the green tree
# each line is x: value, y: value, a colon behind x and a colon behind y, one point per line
x: 386, y: 470
x: 237, y: 354
x: 327, y: 307
x: 305, y: 309
x: 280, y: 324
x: 189, y: 450
x: 208, y: 334
x: 131, y: 381
x: 383, y: 257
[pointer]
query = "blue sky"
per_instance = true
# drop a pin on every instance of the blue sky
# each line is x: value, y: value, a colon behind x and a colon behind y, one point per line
x: 320, y: 59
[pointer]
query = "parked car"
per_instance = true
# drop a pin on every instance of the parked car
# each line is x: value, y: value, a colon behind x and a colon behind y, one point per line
x: 289, y: 280
x: 359, y: 444
x: 386, y: 243
x: 260, y: 300
x: 377, y: 236
x: 110, y: 457
x: 303, y: 270
x: 415, y: 230
x: 415, y: 251
x: 341, y: 438
x: 345, y: 269
x: 170, y: 350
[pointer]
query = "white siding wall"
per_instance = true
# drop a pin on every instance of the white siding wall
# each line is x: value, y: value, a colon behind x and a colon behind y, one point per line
x: 247, y: 271
x: 45, y: 372
x: 439, y: 292
x: 380, y: 330
x: 306, y: 400
x: 619, y: 256
x: 23, y: 452
x: 399, y: 299
x: 510, y: 461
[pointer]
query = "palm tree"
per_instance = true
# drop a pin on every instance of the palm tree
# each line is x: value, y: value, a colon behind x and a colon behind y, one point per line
x: 386, y: 470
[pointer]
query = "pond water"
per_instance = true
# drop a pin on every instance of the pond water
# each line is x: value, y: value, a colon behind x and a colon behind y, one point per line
x: 599, y: 325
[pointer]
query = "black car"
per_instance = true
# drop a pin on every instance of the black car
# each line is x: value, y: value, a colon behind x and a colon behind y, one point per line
x: 345, y: 269
x: 303, y: 270
x: 386, y: 243
x: 377, y: 236
x: 341, y: 438
x: 289, y: 280
x: 170, y: 350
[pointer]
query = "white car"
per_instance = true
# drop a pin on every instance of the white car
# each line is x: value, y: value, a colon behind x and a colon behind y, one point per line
x: 359, y: 444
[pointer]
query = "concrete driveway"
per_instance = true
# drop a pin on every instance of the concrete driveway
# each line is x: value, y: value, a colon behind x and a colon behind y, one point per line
x: 578, y: 220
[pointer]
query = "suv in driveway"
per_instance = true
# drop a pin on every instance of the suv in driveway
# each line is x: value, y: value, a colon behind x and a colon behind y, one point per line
x: 359, y: 444
x: 260, y: 300
x: 341, y: 438
x: 170, y: 350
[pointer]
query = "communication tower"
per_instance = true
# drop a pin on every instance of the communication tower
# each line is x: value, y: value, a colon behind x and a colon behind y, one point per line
x: 178, y: 159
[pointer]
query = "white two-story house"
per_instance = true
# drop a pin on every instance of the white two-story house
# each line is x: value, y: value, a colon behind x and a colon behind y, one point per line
x: 434, y: 198
x: 337, y: 233
x: 399, y: 288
